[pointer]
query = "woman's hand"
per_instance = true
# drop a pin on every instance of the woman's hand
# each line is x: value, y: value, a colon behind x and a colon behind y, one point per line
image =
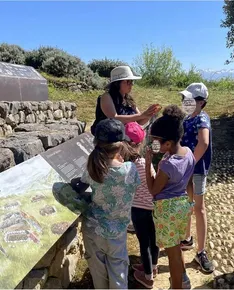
x: 153, y: 109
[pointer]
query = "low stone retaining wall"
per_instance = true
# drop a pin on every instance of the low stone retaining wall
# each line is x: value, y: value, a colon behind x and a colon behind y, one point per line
x: 14, y: 113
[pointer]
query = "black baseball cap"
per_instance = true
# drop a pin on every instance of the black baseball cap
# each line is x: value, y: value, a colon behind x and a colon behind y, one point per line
x: 110, y: 130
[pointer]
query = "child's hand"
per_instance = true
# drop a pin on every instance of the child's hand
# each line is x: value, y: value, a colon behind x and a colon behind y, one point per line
x: 148, y: 155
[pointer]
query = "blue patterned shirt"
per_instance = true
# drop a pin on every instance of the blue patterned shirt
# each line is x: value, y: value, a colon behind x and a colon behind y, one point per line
x: 109, y: 212
x: 190, y: 139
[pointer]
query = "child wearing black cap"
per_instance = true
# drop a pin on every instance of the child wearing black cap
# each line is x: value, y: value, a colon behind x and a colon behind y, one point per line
x: 113, y: 183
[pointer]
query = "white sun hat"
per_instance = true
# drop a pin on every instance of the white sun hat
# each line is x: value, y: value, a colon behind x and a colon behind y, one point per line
x: 195, y: 90
x: 121, y: 73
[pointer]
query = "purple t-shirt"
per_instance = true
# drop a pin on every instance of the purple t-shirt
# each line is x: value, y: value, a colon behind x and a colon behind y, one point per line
x: 179, y: 169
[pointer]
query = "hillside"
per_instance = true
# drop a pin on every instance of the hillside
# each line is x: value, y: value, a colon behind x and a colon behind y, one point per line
x: 221, y: 101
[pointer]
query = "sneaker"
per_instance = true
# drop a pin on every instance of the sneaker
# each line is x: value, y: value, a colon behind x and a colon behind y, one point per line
x: 186, y: 284
x: 187, y: 245
x: 206, y: 265
x: 131, y: 228
x: 140, y: 268
x: 140, y: 277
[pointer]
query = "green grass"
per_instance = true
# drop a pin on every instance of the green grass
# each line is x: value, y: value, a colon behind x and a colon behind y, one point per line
x: 221, y: 102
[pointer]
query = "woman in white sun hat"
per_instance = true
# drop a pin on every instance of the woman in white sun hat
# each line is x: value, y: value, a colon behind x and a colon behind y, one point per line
x: 117, y: 103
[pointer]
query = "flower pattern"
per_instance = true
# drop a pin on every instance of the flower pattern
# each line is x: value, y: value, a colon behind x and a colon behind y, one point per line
x: 110, y: 209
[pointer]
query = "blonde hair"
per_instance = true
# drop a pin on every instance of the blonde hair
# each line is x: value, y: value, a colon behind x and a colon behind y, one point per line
x: 98, y: 160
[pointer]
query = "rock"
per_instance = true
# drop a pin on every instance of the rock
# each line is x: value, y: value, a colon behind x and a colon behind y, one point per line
x: 34, y: 106
x: 7, y: 129
x: 217, y: 273
x: 50, y: 140
x: 30, y: 118
x: 45, y: 262
x: 55, y: 106
x: 30, y: 128
x: 53, y: 283
x: 42, y: 106
x: 2, y: 121
x: 41, y: 117
x: 4, y: 109
x: 68, y: 106
x: 50, y: 105
x: 69, y: 268
x: 224, y: 262
x: 27, y: 107
x: 6, y: 159
x: 73, y: 106
x: 21, y: 117
x: 62, y: 105
x: 219, y: 242
x: 14, y: 107
x: 24, y: 146
x: 50, y: 115
x: 58, y: 114
x: 10, y: 120
x: 1, y: 131
x: 56, y: 265
x: 211, y: 244
x: 219, y: 257
x: 36, y: 279
x: 17, y: 118
x: 217, y: 228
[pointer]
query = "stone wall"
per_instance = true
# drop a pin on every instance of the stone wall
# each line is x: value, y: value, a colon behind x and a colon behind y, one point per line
x: 14, y: 113
x: 29, y: 128
x: 223, y: 133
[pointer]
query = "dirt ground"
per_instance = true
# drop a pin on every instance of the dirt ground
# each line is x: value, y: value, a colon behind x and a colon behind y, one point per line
x: 198, y: 279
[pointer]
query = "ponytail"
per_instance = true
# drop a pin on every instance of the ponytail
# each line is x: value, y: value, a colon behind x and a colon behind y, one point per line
x: 98, y: 161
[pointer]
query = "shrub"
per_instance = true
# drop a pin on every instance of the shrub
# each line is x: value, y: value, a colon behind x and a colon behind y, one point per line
x: 12, y: 53
x: 36, y: 57
x: 104, y: 66
x: 183, y: 79
x: 158, y: 67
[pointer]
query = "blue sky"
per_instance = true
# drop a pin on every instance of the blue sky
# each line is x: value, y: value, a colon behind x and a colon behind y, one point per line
x: 119, y: 30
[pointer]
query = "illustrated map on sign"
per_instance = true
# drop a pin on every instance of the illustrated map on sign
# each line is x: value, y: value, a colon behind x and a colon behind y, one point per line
x: 36, y: 208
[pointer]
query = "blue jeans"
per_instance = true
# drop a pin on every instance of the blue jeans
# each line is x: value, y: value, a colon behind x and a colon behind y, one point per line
x: 145, y: 230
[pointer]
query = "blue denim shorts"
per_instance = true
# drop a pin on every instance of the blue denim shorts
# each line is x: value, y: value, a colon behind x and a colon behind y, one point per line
x: 199, y: 181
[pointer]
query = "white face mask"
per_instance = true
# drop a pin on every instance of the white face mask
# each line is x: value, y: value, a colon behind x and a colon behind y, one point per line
x: 188, y: 105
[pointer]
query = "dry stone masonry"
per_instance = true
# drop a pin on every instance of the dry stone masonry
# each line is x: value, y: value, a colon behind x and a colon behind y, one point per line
x: 29, y: 128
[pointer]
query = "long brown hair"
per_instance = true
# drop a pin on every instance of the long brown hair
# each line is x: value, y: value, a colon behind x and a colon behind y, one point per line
x: 113, y: 89
x: 98, y: 160
x: 132, y: 151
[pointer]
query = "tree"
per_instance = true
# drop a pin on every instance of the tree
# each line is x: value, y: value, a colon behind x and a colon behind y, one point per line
x: 228, y: 9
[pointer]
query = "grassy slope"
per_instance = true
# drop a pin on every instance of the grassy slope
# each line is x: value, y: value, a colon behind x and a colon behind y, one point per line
x: 220, y: 102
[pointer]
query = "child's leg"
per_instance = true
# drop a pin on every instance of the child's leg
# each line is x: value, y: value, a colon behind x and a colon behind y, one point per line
x: 176, y: 266
x: 140, y: 219
x: 95, y: 258
x: 117, y: 262
x: 152, y: 235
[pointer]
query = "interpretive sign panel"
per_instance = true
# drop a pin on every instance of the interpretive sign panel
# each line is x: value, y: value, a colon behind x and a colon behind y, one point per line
x: 21, y: 83
x: 37, y: 206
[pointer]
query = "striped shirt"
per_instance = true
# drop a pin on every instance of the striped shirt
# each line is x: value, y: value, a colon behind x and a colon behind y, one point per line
x: 142, y: 199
